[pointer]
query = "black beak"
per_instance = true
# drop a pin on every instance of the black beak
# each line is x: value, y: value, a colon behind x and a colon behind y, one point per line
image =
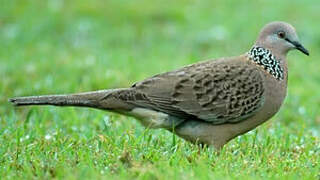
x: 299, y: 46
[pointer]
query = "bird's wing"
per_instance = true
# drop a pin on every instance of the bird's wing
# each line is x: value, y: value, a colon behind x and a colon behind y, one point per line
x: 225, y: 92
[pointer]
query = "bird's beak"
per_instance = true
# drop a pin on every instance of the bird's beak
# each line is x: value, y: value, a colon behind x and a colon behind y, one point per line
x: 299, y: 46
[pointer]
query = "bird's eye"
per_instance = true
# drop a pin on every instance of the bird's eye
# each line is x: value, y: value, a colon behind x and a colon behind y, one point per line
x: 281, y: 34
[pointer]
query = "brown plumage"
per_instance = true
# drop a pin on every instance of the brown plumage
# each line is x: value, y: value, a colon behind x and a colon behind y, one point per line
x: 213, y: 91
x: 209, y: 102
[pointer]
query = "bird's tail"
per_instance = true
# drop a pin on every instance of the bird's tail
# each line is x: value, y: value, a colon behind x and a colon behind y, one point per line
x: 103, y: 99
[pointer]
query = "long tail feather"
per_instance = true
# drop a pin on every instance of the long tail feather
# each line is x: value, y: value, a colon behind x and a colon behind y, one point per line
x: 95, y: 99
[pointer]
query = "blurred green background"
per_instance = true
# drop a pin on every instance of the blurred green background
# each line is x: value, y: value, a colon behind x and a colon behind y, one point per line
x: 57, y: 46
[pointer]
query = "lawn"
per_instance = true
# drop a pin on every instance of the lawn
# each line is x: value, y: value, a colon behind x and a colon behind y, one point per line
x: 58, y: 46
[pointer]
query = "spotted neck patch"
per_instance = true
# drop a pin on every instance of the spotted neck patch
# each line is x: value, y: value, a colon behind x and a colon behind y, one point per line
x: 264, y: 58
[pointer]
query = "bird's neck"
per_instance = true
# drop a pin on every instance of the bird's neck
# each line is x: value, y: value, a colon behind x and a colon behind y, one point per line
x: 264, y: 58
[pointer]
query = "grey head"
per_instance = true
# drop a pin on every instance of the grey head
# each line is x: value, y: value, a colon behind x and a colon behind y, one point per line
x: 280, y: 38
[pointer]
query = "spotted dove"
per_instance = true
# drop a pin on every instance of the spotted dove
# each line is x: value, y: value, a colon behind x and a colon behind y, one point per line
x: 209, y: 102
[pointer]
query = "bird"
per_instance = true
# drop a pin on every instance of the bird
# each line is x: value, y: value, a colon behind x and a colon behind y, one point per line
x: 209, y: 102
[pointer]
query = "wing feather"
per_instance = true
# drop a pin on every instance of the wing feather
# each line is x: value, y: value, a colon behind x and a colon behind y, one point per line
x: 219, y: 93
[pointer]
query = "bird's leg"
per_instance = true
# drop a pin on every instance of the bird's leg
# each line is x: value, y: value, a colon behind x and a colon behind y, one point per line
x: 154, y: 119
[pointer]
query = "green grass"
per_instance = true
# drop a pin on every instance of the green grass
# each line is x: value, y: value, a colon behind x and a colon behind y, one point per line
x: 58, y: 46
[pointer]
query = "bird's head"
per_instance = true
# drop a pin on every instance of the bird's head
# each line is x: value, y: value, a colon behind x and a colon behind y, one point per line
x: 280, y: 37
